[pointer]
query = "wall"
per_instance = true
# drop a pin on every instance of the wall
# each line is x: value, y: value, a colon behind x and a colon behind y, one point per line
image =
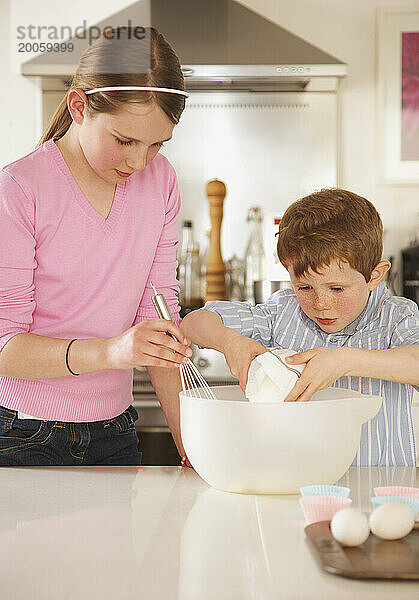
x: 345, y: 29
x: 268, y: 148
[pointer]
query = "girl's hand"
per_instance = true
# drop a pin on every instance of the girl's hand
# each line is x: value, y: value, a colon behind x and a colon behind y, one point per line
x: 239, y: 352
x: 147, y: 344
x: 324, y: 366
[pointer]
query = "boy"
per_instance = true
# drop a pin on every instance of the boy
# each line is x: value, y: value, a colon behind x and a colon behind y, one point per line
x: 339, y: 317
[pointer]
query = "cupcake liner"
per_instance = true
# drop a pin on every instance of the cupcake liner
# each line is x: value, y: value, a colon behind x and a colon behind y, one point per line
x: 397, y: 490
x: 322, y: 508
x: 412, y: 502
x: 325, y: 490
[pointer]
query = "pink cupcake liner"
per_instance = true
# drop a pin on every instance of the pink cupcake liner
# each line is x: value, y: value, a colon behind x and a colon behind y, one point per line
x: 397, y: 490
x: 322, y: 508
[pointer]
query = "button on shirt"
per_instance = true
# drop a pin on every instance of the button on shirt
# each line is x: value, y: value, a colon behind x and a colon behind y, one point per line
x: 385, y: 322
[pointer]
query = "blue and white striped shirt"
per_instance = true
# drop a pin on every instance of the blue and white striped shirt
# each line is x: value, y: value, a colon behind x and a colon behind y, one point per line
x: 385, y: 322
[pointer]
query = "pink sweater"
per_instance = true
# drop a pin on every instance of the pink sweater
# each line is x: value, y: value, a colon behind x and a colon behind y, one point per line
x: 66, y: 272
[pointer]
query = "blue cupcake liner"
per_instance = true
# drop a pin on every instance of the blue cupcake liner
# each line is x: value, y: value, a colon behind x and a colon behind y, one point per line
x: 325, y: 490
x: 412, y: 502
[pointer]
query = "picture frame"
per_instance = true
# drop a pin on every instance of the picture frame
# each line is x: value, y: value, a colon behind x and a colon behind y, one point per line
x: 398, y: 94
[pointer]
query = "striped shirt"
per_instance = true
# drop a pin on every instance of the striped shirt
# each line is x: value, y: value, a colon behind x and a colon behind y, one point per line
x: 385, y: 322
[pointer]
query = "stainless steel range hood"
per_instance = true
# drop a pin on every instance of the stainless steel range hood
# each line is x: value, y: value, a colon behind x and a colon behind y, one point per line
x: 221, y: 44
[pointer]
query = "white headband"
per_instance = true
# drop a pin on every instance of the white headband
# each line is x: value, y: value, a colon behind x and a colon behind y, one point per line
x: 145, y: 88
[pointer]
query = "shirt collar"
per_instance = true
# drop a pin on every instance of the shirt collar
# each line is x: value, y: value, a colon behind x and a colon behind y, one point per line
x: 373, y: 307
x: 369, y: 313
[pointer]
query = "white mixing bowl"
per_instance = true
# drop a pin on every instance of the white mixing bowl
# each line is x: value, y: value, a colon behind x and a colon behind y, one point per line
x: 273, y: 448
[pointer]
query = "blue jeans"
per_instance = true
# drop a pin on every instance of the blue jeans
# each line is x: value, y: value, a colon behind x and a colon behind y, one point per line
x: 30, y: 442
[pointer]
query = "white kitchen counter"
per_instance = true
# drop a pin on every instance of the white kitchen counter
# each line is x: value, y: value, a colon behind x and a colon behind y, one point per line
x: 162, y: 533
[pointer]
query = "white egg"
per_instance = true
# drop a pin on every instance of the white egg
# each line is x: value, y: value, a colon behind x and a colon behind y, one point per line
x: 392, y: 520
x: 349, y: 526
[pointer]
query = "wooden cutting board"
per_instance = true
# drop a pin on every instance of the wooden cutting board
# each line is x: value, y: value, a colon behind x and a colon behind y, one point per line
x: 374, y: 559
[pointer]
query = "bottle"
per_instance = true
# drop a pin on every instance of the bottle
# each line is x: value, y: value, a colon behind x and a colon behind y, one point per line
x: 189, y: 269
x: 186, y: 243
x: 235, y: 268
x: 186, y: 238
x: 203, y: 258
x: 255, y: 253
x: 192, y: 281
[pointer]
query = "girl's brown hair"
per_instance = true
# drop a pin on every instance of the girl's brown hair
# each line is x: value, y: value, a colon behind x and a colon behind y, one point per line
x: 332, y: 224
x: 119, y: 57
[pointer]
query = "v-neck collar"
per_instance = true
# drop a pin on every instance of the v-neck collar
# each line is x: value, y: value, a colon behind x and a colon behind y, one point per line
x: 118, y: 199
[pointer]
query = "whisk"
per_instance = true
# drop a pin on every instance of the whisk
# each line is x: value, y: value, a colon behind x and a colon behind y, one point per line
x: 193, y: 384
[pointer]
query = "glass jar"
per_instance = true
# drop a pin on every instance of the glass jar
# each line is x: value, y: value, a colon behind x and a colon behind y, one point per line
x: 192, y: 278
x: 255, y: 253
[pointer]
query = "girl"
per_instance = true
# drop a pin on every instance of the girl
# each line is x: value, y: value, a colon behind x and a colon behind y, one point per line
x: 87, y: 222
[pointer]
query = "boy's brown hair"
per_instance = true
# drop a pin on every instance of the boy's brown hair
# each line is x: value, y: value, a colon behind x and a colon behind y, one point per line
x: 332, y: 224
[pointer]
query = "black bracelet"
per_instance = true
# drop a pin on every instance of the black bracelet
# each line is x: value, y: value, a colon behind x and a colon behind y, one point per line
x: 66, y: 358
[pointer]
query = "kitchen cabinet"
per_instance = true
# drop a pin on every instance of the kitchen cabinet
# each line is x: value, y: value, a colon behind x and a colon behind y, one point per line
x: 151, y: 532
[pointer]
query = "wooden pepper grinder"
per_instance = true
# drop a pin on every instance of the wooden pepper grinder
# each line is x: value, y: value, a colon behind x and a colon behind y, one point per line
x: 215, y: 268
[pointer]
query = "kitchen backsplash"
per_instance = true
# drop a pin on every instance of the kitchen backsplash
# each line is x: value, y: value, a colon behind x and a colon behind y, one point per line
x: 268, y: 148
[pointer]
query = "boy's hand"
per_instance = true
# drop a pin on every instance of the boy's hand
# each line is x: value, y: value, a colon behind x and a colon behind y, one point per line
x: 239, y: 352
x: 324, y: 366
